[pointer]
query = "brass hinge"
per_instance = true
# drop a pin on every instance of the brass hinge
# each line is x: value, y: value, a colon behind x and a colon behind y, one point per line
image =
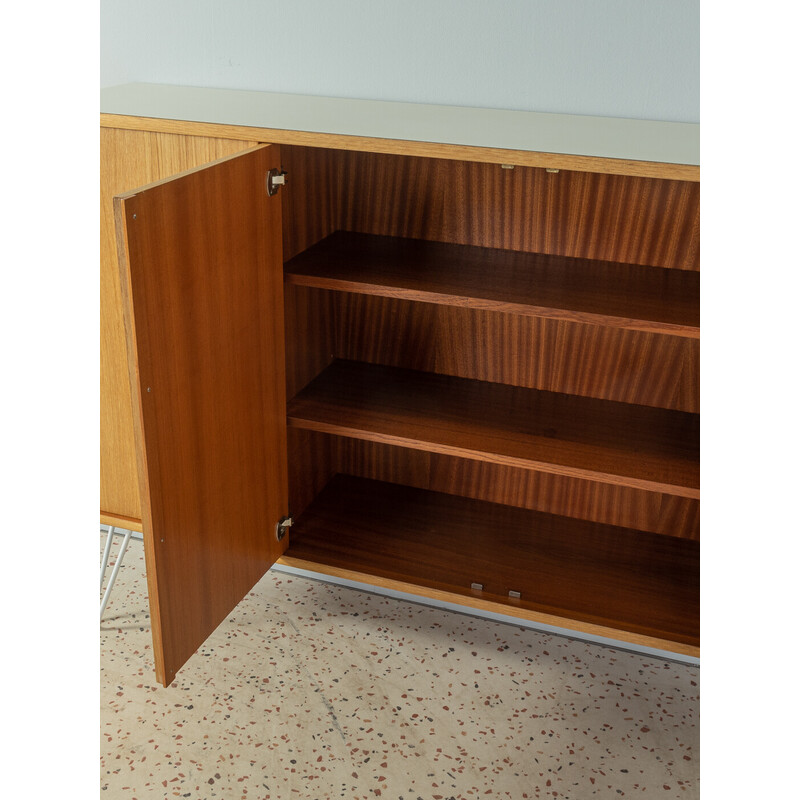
x: 283, y: 526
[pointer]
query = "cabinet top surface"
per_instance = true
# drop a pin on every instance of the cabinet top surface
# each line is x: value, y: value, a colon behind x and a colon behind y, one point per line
x: 599, y: 137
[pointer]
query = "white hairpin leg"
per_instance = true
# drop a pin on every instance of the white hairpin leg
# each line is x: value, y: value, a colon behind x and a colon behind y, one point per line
x: 114, y: 572
x: 106, y: 552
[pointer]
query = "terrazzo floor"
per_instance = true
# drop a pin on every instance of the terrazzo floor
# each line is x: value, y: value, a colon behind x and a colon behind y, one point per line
x: 310, y: 691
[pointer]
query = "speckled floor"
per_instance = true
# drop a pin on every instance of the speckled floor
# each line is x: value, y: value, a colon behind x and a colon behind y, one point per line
x: 311, y: 691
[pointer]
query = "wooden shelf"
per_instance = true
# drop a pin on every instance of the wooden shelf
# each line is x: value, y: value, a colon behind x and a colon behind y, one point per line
x: 628, y: 296
x: 600, y: 440
x: 608, y: 579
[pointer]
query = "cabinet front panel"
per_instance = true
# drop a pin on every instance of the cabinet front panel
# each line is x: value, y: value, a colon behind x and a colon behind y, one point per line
x: 202, y: 282
x: 129, y: 159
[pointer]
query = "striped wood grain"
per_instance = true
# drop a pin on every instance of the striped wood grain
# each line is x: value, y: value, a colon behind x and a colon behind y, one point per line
x: 554, y: 494
x: 630, y: 581
x: 605, y: 293
x: 620, y: 218
x: 555, y: 355
x: 617, y: 443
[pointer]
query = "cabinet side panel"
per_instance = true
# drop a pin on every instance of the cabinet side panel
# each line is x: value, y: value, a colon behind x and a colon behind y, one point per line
x: 129, y: 159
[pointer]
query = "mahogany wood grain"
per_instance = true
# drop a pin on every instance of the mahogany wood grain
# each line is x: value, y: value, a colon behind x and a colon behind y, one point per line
x: 621, y: 579
x: 634, y: 446
x: 310, y: 198
x: 131, y: 158
x: 312, y: 463
x: 384, y: 330
x: 523, y: 488
x: 201, y: 266
x: 382, y: 462
x: 309, y: 335
x: 554, y: 355
x: 580, y: 290
x: 575, y: 214
x: 309, y: 203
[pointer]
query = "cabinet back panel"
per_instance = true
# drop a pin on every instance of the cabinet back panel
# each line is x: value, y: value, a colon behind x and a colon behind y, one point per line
x: 611, y: 217
x: 558, y: 356
x: 309, y: 320
x: 309, y: 200
x: 633, y: 220
x: 312, y: 463
x: 554, y: 494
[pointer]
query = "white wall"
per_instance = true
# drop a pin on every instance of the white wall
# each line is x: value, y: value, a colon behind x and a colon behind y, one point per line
x: 620, y: 58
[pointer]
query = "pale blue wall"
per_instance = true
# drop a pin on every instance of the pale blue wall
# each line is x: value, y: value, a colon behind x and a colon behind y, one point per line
x: 620, y: 58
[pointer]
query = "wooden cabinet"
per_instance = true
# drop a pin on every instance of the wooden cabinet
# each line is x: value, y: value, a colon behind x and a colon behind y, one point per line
x: 465, y: 372
x: 128, y: 159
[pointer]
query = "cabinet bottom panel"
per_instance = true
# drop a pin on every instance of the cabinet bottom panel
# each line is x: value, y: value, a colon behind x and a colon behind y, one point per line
x: 600, y: 579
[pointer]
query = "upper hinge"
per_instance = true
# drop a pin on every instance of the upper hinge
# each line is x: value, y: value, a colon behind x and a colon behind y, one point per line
x: 283, y: 526
x: 275, y: 179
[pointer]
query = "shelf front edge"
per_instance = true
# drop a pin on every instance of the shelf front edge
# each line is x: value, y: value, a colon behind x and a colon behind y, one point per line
x: 487, y: 304
x: 494, y: 458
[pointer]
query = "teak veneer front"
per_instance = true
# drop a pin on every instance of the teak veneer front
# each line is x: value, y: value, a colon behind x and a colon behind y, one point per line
x: 450, y: 360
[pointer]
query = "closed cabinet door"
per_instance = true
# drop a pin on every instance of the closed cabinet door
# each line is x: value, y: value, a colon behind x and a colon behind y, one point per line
x: 202, y: 279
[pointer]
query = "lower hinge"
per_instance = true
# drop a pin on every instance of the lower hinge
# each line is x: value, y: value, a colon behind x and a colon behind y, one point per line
x: 283, y: 526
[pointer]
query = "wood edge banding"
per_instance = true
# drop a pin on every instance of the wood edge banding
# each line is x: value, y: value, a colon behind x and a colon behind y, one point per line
x: 381, y: 437
x: 119, y: 521
x: 492, y: 155
x: 486, y: 304
x: 164, y: 673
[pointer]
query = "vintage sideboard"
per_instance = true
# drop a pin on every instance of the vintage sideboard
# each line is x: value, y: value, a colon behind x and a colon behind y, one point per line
x: 448, y: 351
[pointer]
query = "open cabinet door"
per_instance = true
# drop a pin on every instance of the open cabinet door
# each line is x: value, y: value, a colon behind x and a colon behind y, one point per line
x: 202, y: 280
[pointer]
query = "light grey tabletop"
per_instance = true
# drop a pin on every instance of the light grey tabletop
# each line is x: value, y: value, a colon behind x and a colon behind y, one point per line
x: 601, y: 137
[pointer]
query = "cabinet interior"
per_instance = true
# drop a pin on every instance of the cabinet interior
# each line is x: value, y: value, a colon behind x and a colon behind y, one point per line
x: 492, y: 385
